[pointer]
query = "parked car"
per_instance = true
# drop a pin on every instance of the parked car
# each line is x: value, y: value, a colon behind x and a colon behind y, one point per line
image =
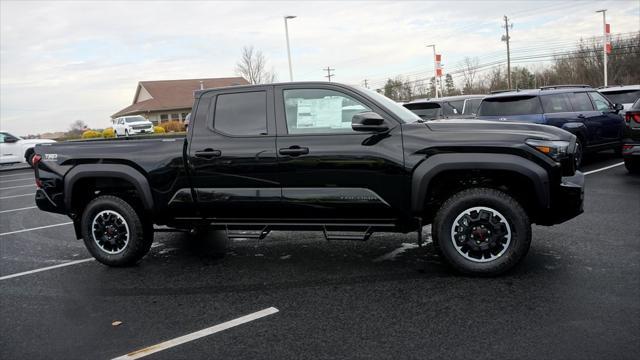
x: 14, y: 149
x: 282, y: 157
x: 463, y: 106
x: 631, y: 146
x: 625, y: 95
x: 579, y: 109
x: 132, y: 125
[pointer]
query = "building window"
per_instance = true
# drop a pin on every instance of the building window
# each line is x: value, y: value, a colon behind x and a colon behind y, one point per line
x: 184, y: 116
x: 175, y: 116
x: 164, y: 117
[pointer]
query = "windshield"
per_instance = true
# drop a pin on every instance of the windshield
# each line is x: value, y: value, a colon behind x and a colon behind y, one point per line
x: 134, y: 119
x: 623, y: 96
x: 400, y: 111
x: 510, y: 105
x: 471, y: 106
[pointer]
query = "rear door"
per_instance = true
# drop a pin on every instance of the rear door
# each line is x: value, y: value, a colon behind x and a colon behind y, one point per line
x: 232, y: 154
x: 330, y: 171
x: 559, y: 112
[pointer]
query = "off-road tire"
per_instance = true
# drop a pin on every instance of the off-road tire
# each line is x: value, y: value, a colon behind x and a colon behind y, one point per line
x: 140, y: 231
x: 514, y: 214
x: 632, y: 165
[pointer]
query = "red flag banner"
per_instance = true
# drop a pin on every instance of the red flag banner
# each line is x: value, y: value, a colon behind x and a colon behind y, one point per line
x: 438, y: 57
x: 607, y: 28
x: 608, y: 48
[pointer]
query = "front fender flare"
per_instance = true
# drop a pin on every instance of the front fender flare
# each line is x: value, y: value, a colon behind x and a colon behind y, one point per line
x: 118, y: 171
x: 437, y: 164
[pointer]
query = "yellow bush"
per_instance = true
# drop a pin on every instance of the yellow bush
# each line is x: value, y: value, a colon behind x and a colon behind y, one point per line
x: 91, y: 134
x: 108, y: 133
x: 172, y: 126
x: 158, y: 130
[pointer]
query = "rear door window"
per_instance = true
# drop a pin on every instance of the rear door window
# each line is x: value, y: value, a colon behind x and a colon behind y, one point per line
x: 242, y: 114
x: 580, y: 101
x: 556, y: 103
x: 510, y: 105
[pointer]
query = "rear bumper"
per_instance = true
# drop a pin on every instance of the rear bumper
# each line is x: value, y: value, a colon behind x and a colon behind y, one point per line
x: 631, y: 149
x: 567, y: 200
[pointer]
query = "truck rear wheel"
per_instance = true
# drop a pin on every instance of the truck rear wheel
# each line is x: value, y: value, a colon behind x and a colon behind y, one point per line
x: 482, y: 231
x: 114, y: 233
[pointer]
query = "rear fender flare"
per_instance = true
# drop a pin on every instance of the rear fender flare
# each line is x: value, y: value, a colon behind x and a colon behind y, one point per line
x: 437, y: 164
x: 117, y: 171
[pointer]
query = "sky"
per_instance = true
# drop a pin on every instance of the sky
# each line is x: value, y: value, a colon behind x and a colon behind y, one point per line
x: 62, y: 61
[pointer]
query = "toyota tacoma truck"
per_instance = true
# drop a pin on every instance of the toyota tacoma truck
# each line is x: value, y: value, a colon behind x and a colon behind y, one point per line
x: 317, y: 156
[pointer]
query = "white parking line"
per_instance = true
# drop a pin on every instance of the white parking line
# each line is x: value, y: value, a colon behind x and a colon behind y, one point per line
x: 15, y: 196
x: 19, y: 186
x: 23, y: 179
x: 197, y: 335
x: 12, y: 175
x: 20, y: 209
x: 45, y: 269
x: 604, y: 168
x: 35, y: 228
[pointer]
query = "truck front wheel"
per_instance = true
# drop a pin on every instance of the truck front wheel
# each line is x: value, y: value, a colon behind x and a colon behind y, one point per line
x: 114, y: 233
x: 482, y: 231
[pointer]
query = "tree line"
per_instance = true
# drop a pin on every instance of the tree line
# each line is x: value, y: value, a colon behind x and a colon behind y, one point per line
x: 584, y: 65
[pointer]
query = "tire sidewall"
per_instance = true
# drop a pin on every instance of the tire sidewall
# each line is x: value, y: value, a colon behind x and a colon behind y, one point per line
x: 515, y: 217
x: 137, y: 238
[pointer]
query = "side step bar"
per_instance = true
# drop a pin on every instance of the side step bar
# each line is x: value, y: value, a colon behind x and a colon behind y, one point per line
x: 342, y: 236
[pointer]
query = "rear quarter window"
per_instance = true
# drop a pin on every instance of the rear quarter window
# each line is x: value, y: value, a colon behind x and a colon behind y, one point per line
x: 510, y: 105
x: 623, y: 96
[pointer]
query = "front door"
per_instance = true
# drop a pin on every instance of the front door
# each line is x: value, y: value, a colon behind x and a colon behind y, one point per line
x: 328, y: 170
x: 612, y: 123
x: 232, y: 155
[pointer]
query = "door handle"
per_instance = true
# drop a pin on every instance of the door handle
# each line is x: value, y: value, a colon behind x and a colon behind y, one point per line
x: 294, y: 151
x: 208, y: 153
x: 581, y: 116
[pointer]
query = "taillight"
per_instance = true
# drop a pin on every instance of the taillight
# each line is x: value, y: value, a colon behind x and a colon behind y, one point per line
x: 34, y: 161
x: 632, y: 116
x: 627, y: 147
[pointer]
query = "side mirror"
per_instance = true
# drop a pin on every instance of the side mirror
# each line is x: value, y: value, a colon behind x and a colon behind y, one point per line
x: 368, y: 121
x: 10, y: 139
x: 618, y: 107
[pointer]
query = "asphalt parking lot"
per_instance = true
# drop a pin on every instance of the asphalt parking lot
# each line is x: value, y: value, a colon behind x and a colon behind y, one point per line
x: 294, y: 295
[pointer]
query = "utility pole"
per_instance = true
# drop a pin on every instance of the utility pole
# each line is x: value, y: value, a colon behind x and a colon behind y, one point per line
x: 506, y: 38
x: 435, y: 67
x: 329, y: 74
x: 604, y: 43
x: 286, y: 32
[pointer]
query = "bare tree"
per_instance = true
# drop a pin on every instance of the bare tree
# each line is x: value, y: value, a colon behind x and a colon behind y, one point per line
x: 252, y: 66
x: 469, y: 70
x: 77, y: 127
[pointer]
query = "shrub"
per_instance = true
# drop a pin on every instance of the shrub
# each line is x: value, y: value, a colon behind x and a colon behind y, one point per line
x: 91, y: 134
x: 158, y: 130
x: 172, y: 126
x: 108, y: 133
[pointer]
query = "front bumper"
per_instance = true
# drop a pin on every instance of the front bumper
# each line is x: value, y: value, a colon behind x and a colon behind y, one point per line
x: 141, y: 131
x: 567, y: 200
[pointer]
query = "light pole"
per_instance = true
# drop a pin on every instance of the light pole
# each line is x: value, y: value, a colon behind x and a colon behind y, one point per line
x: 435, y: 65
x: 286, y: 32
x: 604, y: 42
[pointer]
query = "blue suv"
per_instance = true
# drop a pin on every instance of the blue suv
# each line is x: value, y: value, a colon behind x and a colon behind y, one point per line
x: 579, y: 109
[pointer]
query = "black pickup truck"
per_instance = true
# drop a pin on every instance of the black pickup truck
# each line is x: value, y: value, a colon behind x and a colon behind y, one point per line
x: 317, y: 156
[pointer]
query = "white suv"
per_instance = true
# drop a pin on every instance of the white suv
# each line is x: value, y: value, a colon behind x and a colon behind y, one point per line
x: 132, y: 125
x: 14, y: 149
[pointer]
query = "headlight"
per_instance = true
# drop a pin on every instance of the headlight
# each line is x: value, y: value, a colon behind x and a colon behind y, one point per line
x: 555, y: 149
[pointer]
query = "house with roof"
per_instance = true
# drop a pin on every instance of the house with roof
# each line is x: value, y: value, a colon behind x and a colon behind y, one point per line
x: 166, y: 100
